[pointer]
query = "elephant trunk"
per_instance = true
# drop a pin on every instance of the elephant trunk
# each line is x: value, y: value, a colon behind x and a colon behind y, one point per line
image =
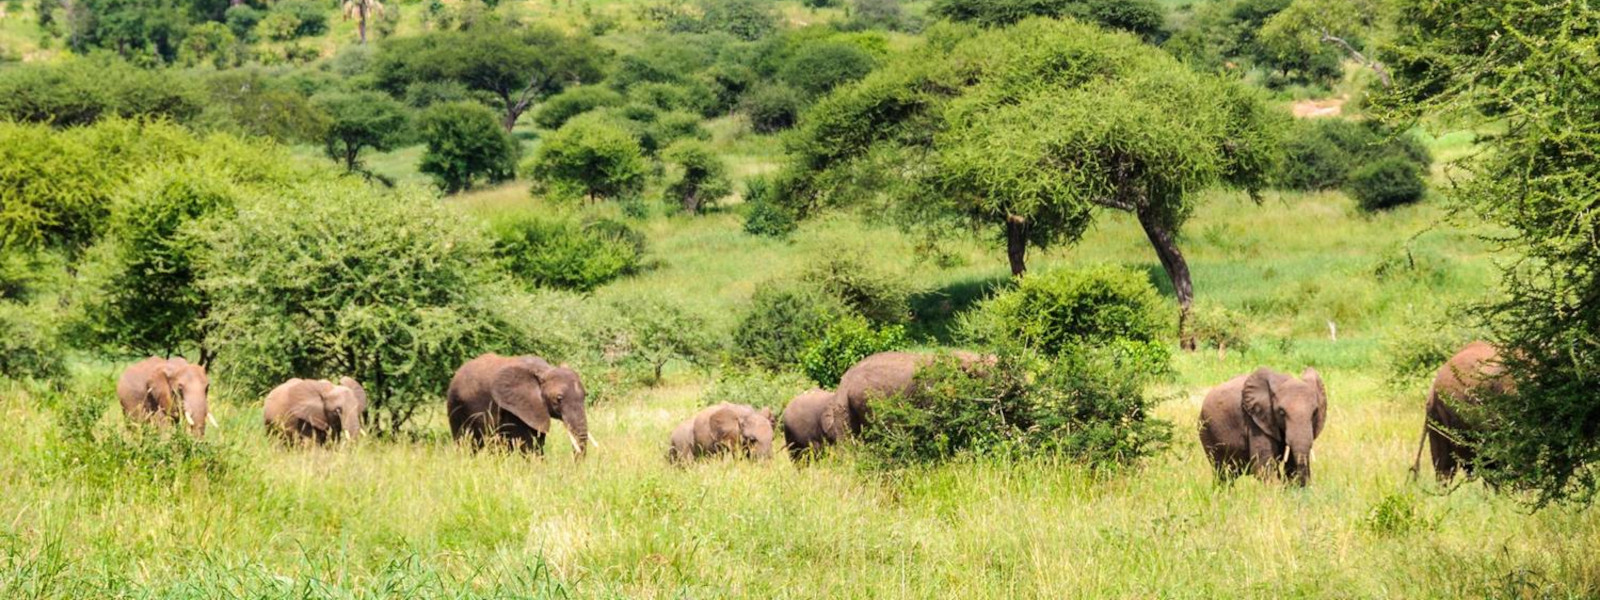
x: 350, y: 424
x: 577, y: 423
x: 196, y: 411
x: 1297, y: 463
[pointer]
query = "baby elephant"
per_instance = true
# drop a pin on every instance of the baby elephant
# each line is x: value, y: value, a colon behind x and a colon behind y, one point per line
x: 1264, y: 421
x: 737, y: 429
x: 811, y: 421
x: 316, y: 410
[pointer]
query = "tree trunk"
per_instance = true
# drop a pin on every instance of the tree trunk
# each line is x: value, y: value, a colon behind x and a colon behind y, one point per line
x: 1166, y: 246
x: 1017, y: 244
x: 361, y: 23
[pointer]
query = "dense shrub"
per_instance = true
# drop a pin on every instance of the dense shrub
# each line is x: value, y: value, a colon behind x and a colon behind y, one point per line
x: 843, y: 344
x: 757, y: 387
x: 278, y: 26
x: 242, y: 19
x: 1053, y: 311
x: 1215, y: 326
x: 30, y: 346
x: 818, y: 67
x: 880, y: 296
x: 772, y: 107
x: 80, y: 91
x: 690, y: 96
x: 1323, y: 153
x: 250, y: 102
x: 1087, y: 404
x: 358, y: 121
x: 592, y: 156
x: 1142, y: 17
x: 211, y: 44
x: 784, y: 319
x: 884, y: 15
x: 309, y: 17
x: 701, y: 176
x: 1386, y: 183
x: 745, y: 19
x: 560, y: 108
x: 465, y: 144
x: 765, y: 216
x: 565, y: 253
x: 335, y: 277
x: 422, y: 94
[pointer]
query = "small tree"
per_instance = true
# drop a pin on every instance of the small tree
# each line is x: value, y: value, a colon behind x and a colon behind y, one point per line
x: 818, y: 67
x: 655, y: 333
x: 357, y: 121
x: 702, y: 178
x: 465, y: 144
x: 361, y: 9
x: 591, y: 156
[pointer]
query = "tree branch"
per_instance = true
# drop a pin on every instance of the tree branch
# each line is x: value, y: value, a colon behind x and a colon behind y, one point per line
x: 1377, y: 67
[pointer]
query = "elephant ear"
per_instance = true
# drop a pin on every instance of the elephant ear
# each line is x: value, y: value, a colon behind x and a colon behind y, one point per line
x: 306, y: 403
x: 1259, y: 401
x: 361, y: 392
x: 516, y: 390
x: 1319, y: 418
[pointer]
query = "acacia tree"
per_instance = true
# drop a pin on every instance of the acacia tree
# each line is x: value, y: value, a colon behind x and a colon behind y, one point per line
x: 1527, y: 69
x: 357, y: 121
x: 518, y: 67
x: 1031, y: 131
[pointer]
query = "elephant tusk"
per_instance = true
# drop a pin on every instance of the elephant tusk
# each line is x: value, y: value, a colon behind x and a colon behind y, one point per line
x: 1285, y: 454
x: 213, y: 421
x: 188, y: 418
x: 592, y: 441
x: 575, y: 447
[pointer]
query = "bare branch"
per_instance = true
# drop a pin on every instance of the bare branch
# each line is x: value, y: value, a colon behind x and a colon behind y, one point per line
x: 1377, y: 67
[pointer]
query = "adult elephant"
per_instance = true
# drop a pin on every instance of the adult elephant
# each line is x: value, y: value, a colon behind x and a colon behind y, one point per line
x: 809, y: 422
x: 1265, y: 422
x: 1461, y: 383
x: 737, y: 429
x: 513, y: 398
x: 166, y: 390
x: 316, y: 409
x: 883, y: 375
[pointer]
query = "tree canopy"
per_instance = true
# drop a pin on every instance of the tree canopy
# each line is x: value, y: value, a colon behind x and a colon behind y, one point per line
x: 1030, y: 131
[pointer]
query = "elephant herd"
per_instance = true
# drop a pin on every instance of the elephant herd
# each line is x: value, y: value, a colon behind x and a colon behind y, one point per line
x: 1263, y: 423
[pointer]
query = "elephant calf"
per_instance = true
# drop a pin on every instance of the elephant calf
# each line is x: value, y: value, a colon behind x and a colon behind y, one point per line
x: 316, y: 410
x: 1264, y: 422
x: 153, y: 389
x: 737, y: 429
x: 513, y: 399
x: 810, y: 421
x: 1462, y: 382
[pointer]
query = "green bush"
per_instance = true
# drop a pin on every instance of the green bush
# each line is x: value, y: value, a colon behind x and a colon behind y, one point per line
x: 765, y: 216
x: 30, y: 345
x: 574, y: 101
x: 278, y: 26
x: 335, y: 276
x: 465, y: 143
x: 652, y: 334
x: 1053, y: 311
x: 591, y: 156
x: 882, y: 297
x: 564, y: 253
x: 784, y: 319
x: 210, y: 44
x: 80, y: 91
x: 771, y: 108
x: 756, y: 387
x: 690, y: 96
x: 309, y: 17
x: 668, y: 127
x: 422, y: 94
x: 701, y: 176
x: 818, y: 67
x: 1321, y: 154
x: 1215, y: 326
x: 745, y: 19
x: 242, y: 20
x: 1145, y: 18
x: 145, y: 460
x: 1087, y: 404
x: 843, y: 344
x: 1386, y: 183
x: 883, y: 15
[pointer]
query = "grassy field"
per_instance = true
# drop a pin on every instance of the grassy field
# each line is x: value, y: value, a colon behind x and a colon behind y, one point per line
x: 240, y: 517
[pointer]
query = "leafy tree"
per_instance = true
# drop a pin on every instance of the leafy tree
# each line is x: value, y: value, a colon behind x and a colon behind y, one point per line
x: 817, y: 68
x: 361, y: 9
x: 1528, y: 69
x: 248, y: 102
x: 574, y: 101
x: 209, y: 44
x: 746, y: 19
x: 1085, y: 121
x: 144, y: 31
x: 591, y: 156
x: 1143, y: 17
x: 702, y: 177
x: 80, y: 91
x: 772, y: 107
x: 357, y: 121
x: 464, y: 143
x: 516, y: 67
x: 654, y: 334
x: 242, y: 20
x: 876, y: 14
x: 1310, y: 27
x: 1066, y: 308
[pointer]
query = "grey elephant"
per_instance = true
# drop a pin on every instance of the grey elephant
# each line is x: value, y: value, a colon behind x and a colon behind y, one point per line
x: 1461, y: 383
x: 316, y: 410
x: 887, y: 374
x: 810, y: 423
x: 513, y: 399
x: 736, y: 429
x: 1264, y: 422
x: 163, y: 390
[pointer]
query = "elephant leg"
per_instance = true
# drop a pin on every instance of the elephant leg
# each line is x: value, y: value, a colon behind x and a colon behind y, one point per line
x: 1444, y: 453
x: 1264, y: 457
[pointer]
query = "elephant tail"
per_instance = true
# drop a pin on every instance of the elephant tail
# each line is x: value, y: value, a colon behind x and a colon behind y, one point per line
x: 1416, y: 463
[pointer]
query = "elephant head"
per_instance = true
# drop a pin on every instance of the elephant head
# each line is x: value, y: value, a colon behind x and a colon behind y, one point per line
x: 756, y: 429
x: 346, y: 403
x: 535, y: 392
x: 188, y: 385
x: 1289, y: 411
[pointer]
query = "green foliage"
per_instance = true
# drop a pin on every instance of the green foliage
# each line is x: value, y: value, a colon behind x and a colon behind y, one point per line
x: 591, y: 156
x: 151, y: 462
x: 883, y: 15
x: 465, y: 144
x: 80, y: 91
x: 843, y: 344
x: 882, y: 297
x: 209, y: 44
x: 30, y: 345
x: 744, y: 19
x: 1215, y: 326
x: 701, y: 179
x: 653, y: 334
x: 1146, y: 18
x: 357, y: 121
x: 1056, y: 311
x: 1086, y: 405
x: 248, y: 102
x: 515, y: 67
x: 689, y: 97
x: 1389, y: 182
x: 291, y: 19
x: 1229, y: 36
x: 756, y: 387
x: 784, y: 319
x: 242, y: 20
x: 335, y: 277
x: 772, y: 107
x: 764, y: 215
x: 574, y: 101
x: 817, y: 68
x: 1323, y: 153
x: 564, y: 253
